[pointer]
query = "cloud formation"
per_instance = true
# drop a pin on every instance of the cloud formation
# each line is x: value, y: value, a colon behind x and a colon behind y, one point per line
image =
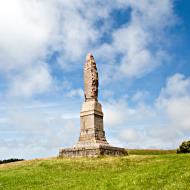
x: 175, y: 101
x: 164, y: 124
x: 31, y: 81
x: 32, y: 31
x: 43, y: 44
x: 140, y: 43
x: 37, y: 132
x: 44, y: 129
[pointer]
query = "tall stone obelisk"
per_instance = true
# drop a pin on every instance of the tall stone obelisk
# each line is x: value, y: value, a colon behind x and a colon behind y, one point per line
x: 92, y: 140
x: 91, y: 115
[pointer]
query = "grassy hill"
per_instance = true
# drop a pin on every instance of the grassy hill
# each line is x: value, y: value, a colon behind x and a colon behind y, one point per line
x: 161, y: 171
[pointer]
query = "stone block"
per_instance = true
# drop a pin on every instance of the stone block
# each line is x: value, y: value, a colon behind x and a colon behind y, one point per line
x: 93, y: 151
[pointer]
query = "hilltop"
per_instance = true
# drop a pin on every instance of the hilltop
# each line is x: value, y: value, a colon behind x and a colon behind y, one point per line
x: 161, y: 171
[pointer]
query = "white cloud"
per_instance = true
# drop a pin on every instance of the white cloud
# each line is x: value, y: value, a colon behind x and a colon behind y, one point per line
x: 129, y: 134
x: 176, y: 86
x: 76, y: 92
x: 33, y: 80
x: 140, y: 43
x: 178, y: 111
x: 36, y: 133
x: 174, y: 101
x: 140, y: 96
x: 164, y: 124
x: 120, y: 114
x: 116, y: 113
x: 30, y: 31
x: 25, y: 31
x: 69, y: 27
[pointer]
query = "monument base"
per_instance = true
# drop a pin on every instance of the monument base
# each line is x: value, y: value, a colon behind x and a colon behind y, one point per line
x: 92, y: 151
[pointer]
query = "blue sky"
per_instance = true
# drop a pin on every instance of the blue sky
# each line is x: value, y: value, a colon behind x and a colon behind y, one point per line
x: 142, y: 54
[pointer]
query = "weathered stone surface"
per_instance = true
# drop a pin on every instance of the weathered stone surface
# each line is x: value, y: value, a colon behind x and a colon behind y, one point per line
x: 92, y: 140
x: 91, y: 122
x: 90, y: 79
x: 93, y: 151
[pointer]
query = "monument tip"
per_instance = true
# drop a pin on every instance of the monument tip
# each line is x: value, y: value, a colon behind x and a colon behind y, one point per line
x: 89, y: 56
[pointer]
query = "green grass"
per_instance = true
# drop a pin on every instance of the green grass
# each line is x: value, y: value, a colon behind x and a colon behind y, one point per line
x: 166, y: 171
x: 150, y: 151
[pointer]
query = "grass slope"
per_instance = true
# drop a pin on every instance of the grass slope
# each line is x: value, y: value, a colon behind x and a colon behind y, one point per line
x: 169, y: 171
x: 150, y: 151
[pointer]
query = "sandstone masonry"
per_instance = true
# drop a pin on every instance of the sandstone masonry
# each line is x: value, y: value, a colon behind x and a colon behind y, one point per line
x: 92, y: 140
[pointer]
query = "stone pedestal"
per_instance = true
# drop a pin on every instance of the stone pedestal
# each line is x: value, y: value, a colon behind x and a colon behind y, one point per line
x: 92, y: 140
x: 91, y: 122
x: 92, y: 151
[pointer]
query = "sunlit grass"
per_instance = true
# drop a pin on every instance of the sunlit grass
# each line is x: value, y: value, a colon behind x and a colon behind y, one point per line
x: 150, y: 151
x: 169, y: 171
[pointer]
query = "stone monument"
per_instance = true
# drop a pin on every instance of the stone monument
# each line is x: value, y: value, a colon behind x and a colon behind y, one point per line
x: 92, y: 140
